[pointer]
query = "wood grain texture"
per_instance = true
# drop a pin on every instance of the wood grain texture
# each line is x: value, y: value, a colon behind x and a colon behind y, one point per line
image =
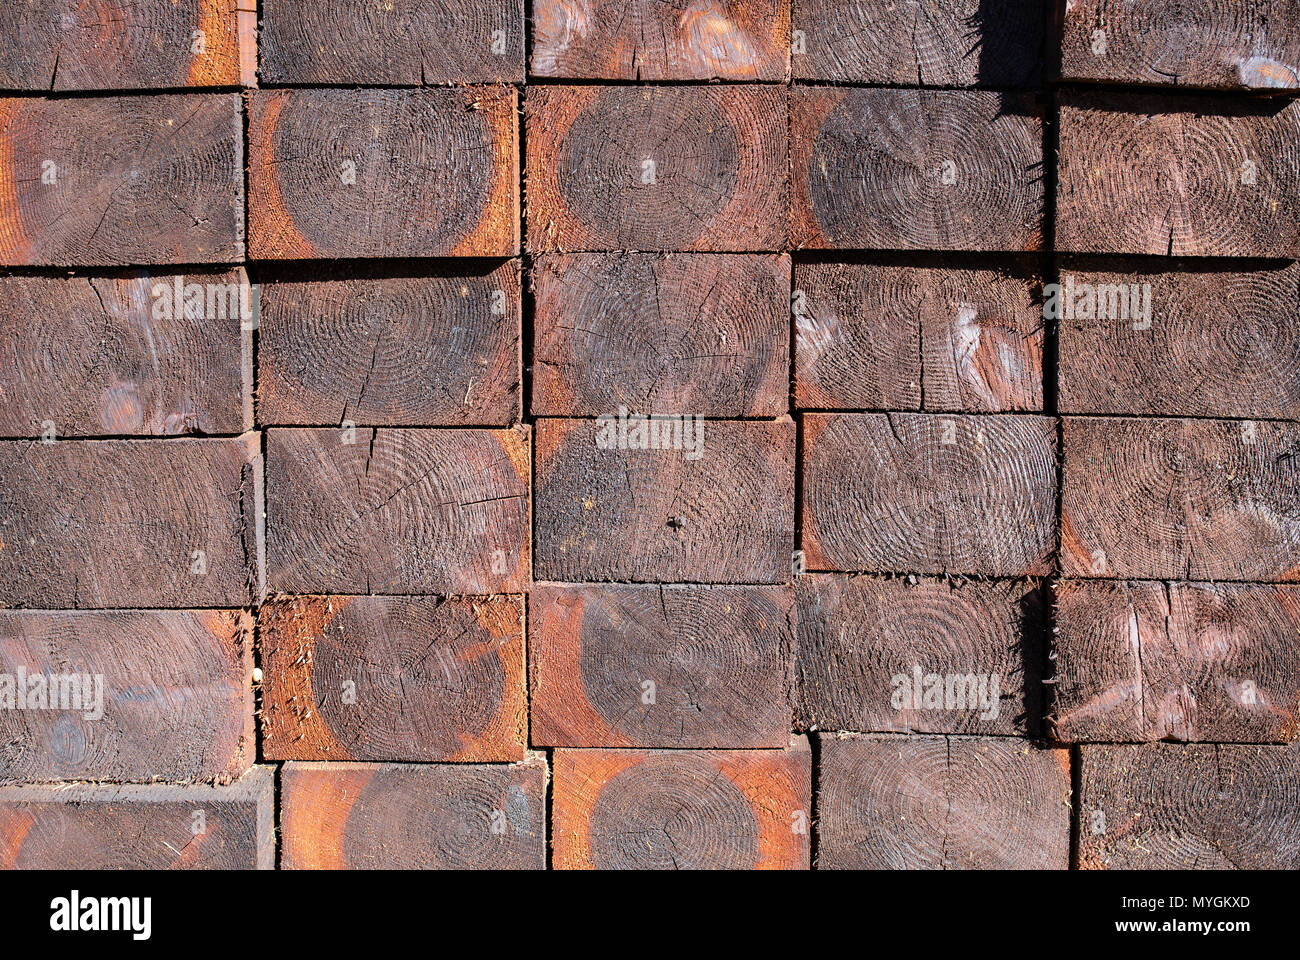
x: 1178, y: 176
x: 1174, y: 807
x: 121, y: 523
x: 393, y: 678
x: 1224, y: 343
x: 622, y: 666
x: 938, y: 803
x: 1158, y: 661
x: 1230, y: 44
x: 121, y: 45
x: 930, y: 43
x: 160, y: 695
x: 691, y: 168
x: 872, y: 336
x: 704, y: 334
x: 1180, y: 499
x: 661, y: 39
x: 397, y: 511
x: 397, y: 42
x: 915, y: 169
x: 383, y: 173
x: 93, y: 356
x: 863, y: 640
x: 438, y: 350
x: 655, y: 515
x: 682, y: 809
x: 888, y: 493
x: 121, y: 180
x: 366, y: 816
x: 74, y: 826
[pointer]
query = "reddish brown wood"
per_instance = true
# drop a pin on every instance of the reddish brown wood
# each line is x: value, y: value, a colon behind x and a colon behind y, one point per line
x: 908, y: 803
x: 721, y: 511
x: 703, y: 334
x: 366, y: 816
x: 393, y: 678
x: 683, y: 809
x: 76, y: 826
x: 122, y: 180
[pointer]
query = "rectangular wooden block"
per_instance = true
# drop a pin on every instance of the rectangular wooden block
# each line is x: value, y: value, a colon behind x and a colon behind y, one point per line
x: 623, y: 666
x: 683, y: 809
x: 1180, y: 499
x: 87, y: 356
x: 433, y: 350
x: 383, y: 173
x: 876, y: 336
x: 1229, y: 44
x: 1221, y: 343
x: 697, y: 168
x: 367, y: 816
x: 662, y: 39
x: 397, y: 511
x: 398, y: 42
x: 922, y: 493
x: 1171, y: 806
x: 130, y: 523
x: 127, y: 44
x: 942, y: 803
x: 393, y: 678
x: 673, y: 500
x: 930, y: 43
x: 122, y: 180
x: 931, y: 656
x: 1159, y: 661
x: 130, y: 695
x: 915, y: 169
x: 704, y: 334
x: 1178, y: 176
x: 77, y: 826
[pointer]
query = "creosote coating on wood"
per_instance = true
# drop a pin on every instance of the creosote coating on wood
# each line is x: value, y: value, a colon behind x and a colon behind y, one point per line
x: 650, y: 434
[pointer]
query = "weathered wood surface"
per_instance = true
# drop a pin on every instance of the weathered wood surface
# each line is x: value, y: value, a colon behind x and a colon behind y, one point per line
x: 1231, y: 44
x: 704, y: 334
x: 439, y: 350
x: 367, y: 816
x: 682, y: 809
x: 915, y: 169
x: 127, y: 44
x: 393, y: 678
x: 1221, y: 343
x: 921, y: 493
x: 1180, y: 499
x: 699, y: 168
x: 930, y: 43
x: 129, y: 695
x: 396, y: 42
x: 74, y: 826
x: 909, y: 803
x: 722, y: 512
x: 383, y: 173
x: 1181, y: 807
x: 86, y: 356
x: 871, y: 336
x: 1158, y: 661
x: 661, y: 39
x: 397, y: 511
x: 882, y: 656
x: 1178, y: 176
x: 623, y: 666
x: 130, y: 523
x: 122, y: 180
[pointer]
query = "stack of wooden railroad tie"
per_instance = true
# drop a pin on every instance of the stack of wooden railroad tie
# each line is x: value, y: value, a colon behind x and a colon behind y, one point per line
x: 962, y: 535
